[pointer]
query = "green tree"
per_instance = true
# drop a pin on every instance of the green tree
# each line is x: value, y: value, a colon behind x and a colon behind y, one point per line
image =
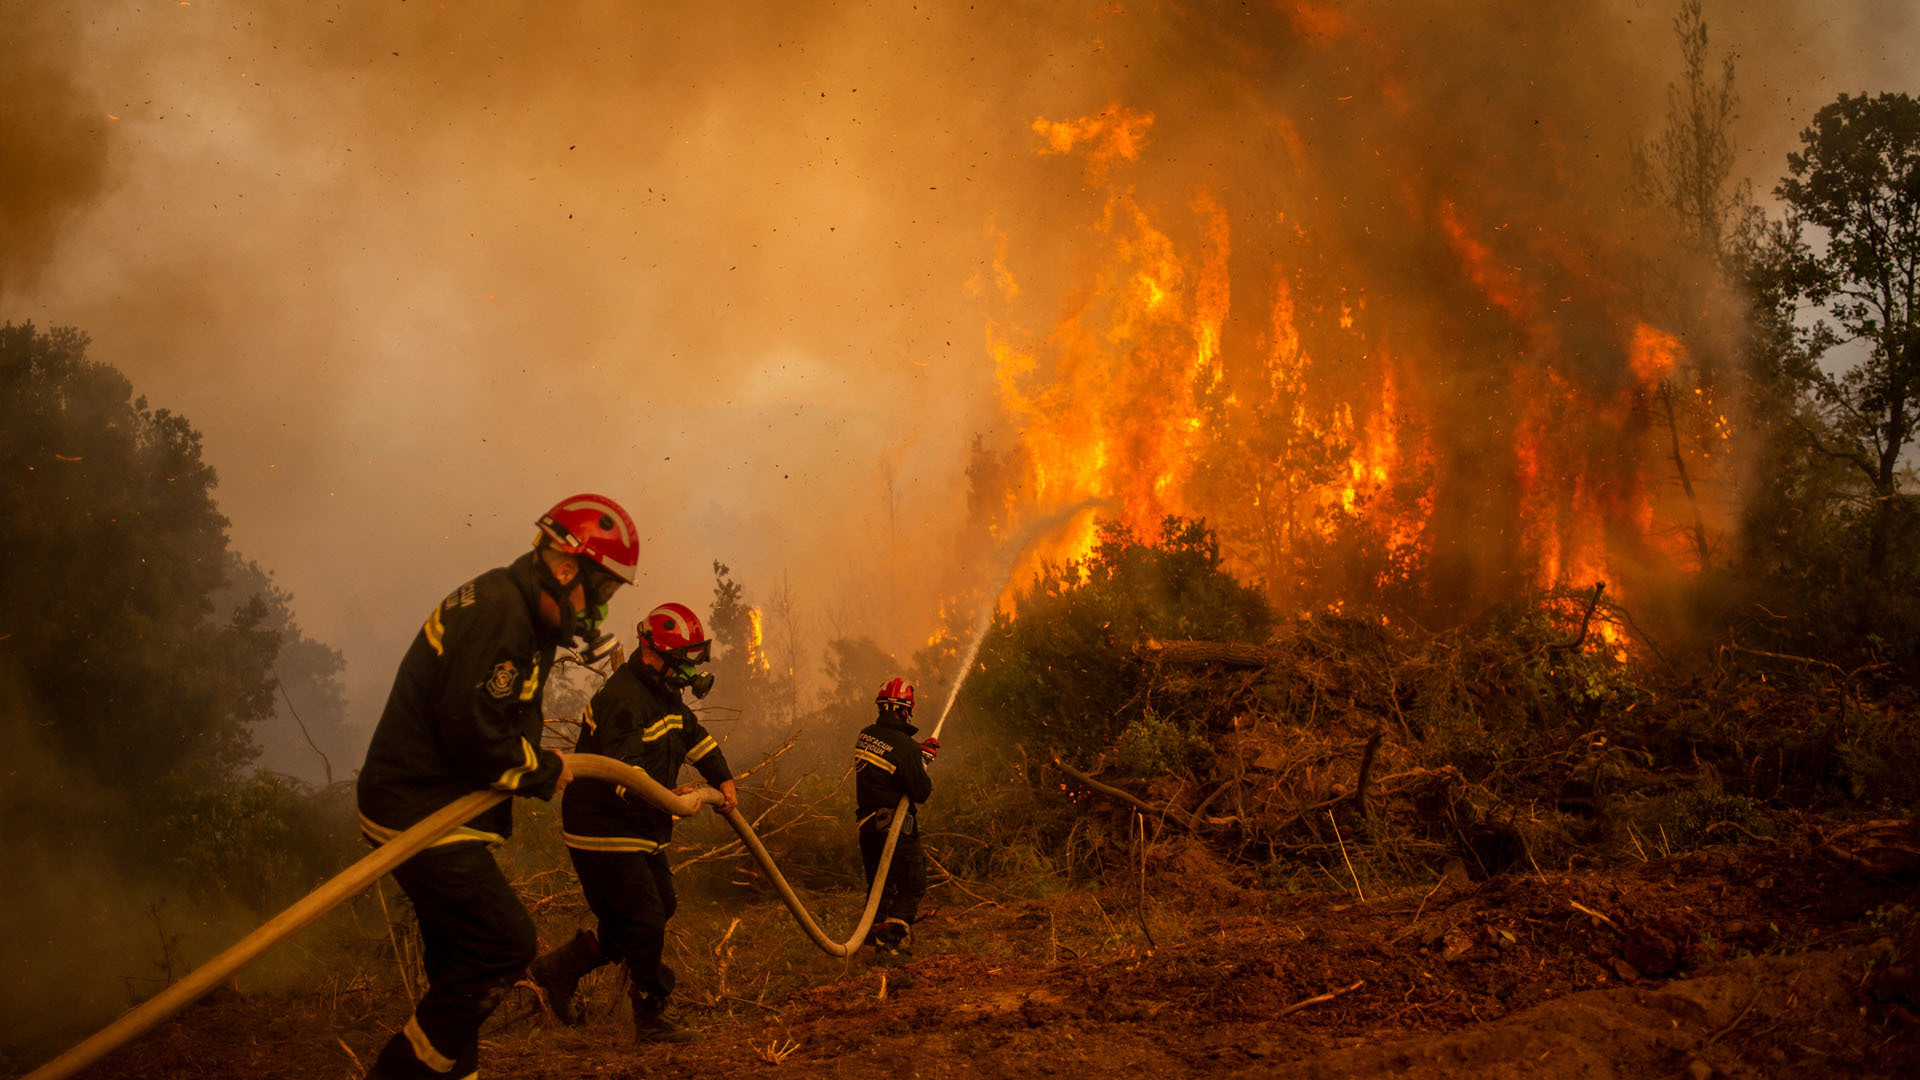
x: 1061, y: 668
x: 1856, y: 183
x: 115, y: 552
x: 308, y: 736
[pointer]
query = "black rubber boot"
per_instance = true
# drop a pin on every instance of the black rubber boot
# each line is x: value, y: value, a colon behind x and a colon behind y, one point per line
x: 400, y: 1060
x: 397, y: 1062
x: 558, y: 973
x: 651, y: 1024
x: 891, y: 939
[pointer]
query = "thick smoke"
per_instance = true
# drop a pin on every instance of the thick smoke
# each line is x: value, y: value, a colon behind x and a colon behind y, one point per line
x: 53, y: 141
x: 417, y: 269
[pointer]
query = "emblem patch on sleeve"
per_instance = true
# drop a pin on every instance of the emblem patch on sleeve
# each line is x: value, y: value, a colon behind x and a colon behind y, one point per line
x: 501, y: 683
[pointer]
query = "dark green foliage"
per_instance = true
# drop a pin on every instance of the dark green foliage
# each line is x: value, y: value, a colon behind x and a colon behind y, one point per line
x: 1857, y: 181
x: 261, y: 842
x: 115, y: 552
x: 1830, y: 556
x: 138, y: 652
x: 1153, y: 745
x: 1061, y: 670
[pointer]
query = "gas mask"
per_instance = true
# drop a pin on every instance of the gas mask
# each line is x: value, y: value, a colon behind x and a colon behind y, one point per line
x: 681, y: 674
x: 599, y: 586
x: 596, y: 645
x: 681, y: 666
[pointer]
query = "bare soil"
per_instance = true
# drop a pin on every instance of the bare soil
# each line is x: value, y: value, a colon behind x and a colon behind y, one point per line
x: 1776, y: 959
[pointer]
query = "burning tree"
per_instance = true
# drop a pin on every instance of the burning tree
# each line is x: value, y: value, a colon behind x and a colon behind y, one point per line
x: 1392, y: 371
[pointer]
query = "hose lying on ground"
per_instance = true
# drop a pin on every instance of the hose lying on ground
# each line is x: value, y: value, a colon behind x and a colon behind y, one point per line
x: 349, y: 882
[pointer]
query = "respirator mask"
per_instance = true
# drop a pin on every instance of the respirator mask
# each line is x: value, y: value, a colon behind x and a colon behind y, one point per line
x: 688, y: 677
x: 596, y: 644
x: 599, y: 585
x: 683, y: 669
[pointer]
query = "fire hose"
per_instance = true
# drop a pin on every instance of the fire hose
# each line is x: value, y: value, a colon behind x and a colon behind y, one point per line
x: 351, y: 881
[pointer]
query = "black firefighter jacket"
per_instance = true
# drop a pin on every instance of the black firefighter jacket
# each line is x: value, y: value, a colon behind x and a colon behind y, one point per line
x: 464, y: 713
x: 637, y: 718
x: 887, y: 764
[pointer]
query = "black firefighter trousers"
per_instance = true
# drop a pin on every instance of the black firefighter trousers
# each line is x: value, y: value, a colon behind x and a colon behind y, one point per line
x: 906, y: 875
x: 631, y: 893
x: 478, y: 939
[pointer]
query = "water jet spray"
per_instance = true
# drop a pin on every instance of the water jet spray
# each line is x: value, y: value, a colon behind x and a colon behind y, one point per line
x: 1014, y: 550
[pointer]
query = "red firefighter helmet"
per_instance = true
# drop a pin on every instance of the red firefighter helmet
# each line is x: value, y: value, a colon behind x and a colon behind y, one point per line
x: 674, y: 630
x: 898, y: 693
x: 596, y: 527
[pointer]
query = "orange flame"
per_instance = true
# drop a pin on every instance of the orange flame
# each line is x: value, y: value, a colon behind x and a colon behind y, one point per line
x: 1346, y: 451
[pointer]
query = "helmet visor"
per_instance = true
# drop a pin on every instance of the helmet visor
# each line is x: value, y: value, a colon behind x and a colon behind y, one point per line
x: 698, y: 652
x: 600, y: 582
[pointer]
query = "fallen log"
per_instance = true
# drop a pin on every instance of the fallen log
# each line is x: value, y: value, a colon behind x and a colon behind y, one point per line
x: 1203, y: 652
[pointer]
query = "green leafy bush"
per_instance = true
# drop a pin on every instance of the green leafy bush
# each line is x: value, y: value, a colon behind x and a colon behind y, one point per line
x: 1060, y: 669
x: 1152, y: 745
x: 263, y: 841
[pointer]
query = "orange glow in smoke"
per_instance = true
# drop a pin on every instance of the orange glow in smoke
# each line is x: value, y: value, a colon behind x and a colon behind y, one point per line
x: 1205, y: 360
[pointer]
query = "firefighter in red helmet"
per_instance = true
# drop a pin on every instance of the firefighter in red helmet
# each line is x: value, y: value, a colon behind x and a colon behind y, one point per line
x: 618, y: 840
x: 889, y: 764
x: 464, y: 715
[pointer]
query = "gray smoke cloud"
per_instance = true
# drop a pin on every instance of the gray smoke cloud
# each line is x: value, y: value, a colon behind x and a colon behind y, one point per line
x: 416, y: 270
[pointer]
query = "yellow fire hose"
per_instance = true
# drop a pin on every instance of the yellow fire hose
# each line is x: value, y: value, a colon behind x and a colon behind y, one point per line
x: 403, y: 847
x: 384, y: 858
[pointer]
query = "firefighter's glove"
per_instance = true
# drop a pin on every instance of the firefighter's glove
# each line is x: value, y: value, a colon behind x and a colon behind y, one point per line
x: 929, y: 749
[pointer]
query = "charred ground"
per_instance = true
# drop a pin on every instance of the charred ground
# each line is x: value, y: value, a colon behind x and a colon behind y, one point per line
x: 1773, y: 959
x: 1346, y: 850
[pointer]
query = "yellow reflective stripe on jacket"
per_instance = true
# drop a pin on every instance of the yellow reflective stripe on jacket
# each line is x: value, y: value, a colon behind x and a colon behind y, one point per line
x: 436, y: 632
x: 586, y: 718
x: 660, y: 727
x: 609, y: 843
x: 423, y: 1047
x: 702, y: 749
x: 872, y: 759
x: 510, y: 780
x: 460, y: 834
x: 532, y: 686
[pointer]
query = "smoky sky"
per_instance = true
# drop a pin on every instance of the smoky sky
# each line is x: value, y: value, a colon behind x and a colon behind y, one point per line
x: 418, y: 269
